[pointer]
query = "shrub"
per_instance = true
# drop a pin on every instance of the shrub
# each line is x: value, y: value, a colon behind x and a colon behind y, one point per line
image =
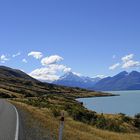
x: 101, y: 122
x: 125, y: 118
x: 137, y: 116
x: 3, y: 95
x: 56, y: 112
x: 137, y: 123
x: 108, y: 124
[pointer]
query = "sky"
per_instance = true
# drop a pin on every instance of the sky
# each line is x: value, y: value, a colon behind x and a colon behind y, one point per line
x: 49, y: 38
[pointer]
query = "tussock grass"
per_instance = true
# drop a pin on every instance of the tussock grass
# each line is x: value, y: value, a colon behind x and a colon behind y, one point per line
x: 74, y: 130
x: 9, y: 94
x: 55, y: 103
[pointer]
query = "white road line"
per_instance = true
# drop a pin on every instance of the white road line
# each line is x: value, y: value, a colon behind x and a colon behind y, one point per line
x: 17, y: 124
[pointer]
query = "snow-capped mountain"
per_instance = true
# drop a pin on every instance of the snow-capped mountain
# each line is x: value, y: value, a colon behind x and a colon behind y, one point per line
x: 73, y: 80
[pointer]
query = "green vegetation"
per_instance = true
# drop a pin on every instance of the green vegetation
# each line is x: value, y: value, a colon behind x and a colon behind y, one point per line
x: 57, y: 103
x: 73, y: 130
x: 54, y: 99
x: 137, y: 120
x: 21, y: 85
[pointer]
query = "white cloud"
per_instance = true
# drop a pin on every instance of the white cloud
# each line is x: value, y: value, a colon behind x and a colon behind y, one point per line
x: 55, y: 67
x: 24, y: 60
x: 44, y: 74
x: 128, y: 62
x: 52, y: 70
x: 51, y: 60
x: 127, y: 57
x: 131, y: 63
x: 49, y: 73
x: 17, y: 54
x: 114, y: 66
x: 37, y: 55
x: 3, y: 58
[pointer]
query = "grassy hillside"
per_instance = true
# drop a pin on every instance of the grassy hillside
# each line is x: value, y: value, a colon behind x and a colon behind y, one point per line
x: 75, y: 110
x: 15, y: 83
x: 43, y: 99
x: 73, y: 130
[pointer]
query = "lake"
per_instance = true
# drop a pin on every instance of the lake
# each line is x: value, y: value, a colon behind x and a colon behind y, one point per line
x: 128, y: 103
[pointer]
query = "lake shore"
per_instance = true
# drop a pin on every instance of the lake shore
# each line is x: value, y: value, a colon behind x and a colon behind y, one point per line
x: 98, y: 94
x: 56, y: 103
x: 126, y: 102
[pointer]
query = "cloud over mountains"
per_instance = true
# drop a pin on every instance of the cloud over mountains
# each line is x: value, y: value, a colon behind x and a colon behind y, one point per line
x: 50, y: 69
x: 53, y: 59
x: 126, y: 63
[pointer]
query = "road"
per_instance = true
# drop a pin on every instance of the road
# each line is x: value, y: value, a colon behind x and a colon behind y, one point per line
x: 8, y: 121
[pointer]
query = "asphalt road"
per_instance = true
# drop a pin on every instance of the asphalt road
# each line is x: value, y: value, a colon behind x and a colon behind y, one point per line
x: 8, y: 121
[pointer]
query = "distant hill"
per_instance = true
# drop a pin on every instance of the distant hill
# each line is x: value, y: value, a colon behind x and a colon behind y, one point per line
x: 15, y: 83
x: 6, y: 72
x: 73, y: 80
x: 121, y: 81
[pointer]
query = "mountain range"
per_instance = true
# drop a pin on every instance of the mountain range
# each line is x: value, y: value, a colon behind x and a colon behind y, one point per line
x: 73, y: 80
x: 121, y: 81
x: 16, y: 83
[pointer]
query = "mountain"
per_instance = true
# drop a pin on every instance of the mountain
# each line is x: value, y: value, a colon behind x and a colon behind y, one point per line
x: 73, y: 80
x: 15, y: 83
x: 121, y: 81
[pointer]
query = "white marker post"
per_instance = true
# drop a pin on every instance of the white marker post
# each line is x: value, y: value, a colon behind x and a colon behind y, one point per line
x: 61, y: 126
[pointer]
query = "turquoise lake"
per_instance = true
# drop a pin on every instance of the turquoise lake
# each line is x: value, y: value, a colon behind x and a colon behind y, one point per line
x: 128, y: 103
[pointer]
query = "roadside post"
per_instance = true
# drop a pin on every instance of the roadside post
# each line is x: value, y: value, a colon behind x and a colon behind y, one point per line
x: 61, y: 126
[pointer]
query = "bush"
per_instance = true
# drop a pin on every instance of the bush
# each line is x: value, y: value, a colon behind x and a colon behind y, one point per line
x: 56, y: 112
x: 3, y: 95
x: 80, y: 114
x: 125, y: 118
x: 137, y: 116
x: 108, y: 124
x: 101, y: 122
x: 137, y: 123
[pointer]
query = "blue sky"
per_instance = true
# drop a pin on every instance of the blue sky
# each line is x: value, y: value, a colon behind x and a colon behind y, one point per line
x: 89, y: 35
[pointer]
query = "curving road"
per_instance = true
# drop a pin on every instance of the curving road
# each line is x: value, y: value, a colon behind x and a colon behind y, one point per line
x: 8, y: 121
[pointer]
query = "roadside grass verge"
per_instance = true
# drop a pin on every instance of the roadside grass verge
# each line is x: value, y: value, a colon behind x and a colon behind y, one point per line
x: 73, y: 130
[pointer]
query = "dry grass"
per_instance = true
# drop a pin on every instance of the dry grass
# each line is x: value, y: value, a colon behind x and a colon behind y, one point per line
x: 73, y: 130
x: 9, y: 93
